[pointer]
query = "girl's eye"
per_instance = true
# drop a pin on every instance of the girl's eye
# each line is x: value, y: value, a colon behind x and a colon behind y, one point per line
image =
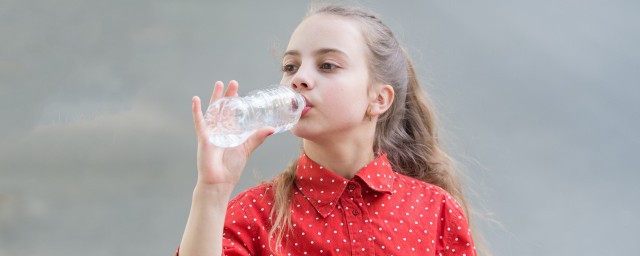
x: 327, y: 66
x: 289, y: 68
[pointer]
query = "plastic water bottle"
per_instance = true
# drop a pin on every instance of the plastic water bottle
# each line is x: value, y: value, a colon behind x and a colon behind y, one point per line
x: 231, y: 120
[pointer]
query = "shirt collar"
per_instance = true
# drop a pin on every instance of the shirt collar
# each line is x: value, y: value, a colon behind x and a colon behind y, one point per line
x: 323, y: 188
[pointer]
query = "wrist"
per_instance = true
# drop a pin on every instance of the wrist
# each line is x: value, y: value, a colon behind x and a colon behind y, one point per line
x: 212, y: 193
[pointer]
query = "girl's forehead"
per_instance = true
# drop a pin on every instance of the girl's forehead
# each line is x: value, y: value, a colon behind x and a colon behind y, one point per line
x: 321, y: 31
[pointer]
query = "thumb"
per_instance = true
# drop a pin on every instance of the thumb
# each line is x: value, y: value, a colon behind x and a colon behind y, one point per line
x: 257, y: 138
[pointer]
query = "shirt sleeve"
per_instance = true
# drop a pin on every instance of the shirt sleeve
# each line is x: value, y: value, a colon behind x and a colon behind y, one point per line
x: 456, y: 238
x: 246, y: 227
x: 238, y: 231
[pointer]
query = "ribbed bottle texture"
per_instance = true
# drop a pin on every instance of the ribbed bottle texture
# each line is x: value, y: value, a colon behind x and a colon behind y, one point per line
x: 230, y: 121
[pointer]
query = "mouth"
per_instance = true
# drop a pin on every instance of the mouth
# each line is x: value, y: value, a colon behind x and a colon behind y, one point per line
x: 307, y: 107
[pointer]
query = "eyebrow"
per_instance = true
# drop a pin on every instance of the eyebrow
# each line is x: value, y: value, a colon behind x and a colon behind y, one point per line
x: 321, y: 51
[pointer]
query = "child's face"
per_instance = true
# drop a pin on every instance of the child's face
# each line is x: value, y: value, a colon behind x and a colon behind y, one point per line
x: 326, y: 61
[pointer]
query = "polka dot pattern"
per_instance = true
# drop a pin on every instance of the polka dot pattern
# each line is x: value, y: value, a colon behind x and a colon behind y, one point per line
x: 377, y: 212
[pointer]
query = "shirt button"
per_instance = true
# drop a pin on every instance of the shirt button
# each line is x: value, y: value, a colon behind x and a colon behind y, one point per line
x: 351, y: 187
x: 355, y: 212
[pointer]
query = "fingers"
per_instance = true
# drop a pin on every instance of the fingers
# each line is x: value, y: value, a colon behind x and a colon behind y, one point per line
x: 198, y: 119
x: 232, y: 90
x: 218, y: 88
x: 217, y: 91
x: 257, y: 139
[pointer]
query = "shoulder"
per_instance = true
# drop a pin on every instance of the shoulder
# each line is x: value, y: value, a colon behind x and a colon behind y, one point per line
x: 434, y: 194
x: 251, y: 208
x: 247, y: 221
x: 255, y: 196
x: 452, y: 225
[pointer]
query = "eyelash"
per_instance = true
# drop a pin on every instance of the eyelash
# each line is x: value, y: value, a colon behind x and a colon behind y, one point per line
x: 333, y: 66
x: 290, y: 68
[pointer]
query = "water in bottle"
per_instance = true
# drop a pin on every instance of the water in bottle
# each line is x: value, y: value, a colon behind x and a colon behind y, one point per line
x: 231, y: 120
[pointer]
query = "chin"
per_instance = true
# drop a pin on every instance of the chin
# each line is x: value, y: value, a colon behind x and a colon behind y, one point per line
x: 303, y: 132
x: 298, y: 131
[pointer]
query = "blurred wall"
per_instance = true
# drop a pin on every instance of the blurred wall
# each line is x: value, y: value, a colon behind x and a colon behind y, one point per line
x: 537, y: 101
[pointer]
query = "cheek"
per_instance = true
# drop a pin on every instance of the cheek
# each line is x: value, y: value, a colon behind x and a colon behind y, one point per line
x: 345, y: 97
x: 284, y: 80
x: 348, y: 108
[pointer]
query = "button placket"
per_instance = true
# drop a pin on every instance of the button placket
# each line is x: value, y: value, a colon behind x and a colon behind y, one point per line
x: 355, y: 213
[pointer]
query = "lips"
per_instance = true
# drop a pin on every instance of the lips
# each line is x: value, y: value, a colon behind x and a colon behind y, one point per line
x: 307, y: 107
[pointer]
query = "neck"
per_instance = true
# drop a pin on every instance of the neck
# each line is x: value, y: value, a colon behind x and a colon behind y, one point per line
x: 339, y: 156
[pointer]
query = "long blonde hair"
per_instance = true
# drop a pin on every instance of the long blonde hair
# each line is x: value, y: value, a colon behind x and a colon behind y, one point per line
x: 406, y: 132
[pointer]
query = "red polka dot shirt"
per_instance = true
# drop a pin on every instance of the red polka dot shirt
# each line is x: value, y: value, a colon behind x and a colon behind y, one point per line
x: 377, y: 212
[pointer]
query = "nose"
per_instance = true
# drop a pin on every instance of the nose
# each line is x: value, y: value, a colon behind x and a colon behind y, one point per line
x: 302, y: 80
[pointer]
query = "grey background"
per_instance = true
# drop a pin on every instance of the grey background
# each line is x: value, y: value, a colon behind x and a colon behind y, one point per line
x: 537, y: 102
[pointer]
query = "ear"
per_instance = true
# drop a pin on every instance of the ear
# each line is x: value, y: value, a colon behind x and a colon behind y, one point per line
x: 382, y: 99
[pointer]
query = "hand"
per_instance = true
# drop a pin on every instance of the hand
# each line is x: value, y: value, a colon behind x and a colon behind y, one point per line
x: 221, y: 168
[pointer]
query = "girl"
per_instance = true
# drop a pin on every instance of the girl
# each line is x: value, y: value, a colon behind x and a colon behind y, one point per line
x: 372, y: 179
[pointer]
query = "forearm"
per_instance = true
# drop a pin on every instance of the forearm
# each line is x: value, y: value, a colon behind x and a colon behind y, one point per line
x: 203, y: 233
x: 219, y: 170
